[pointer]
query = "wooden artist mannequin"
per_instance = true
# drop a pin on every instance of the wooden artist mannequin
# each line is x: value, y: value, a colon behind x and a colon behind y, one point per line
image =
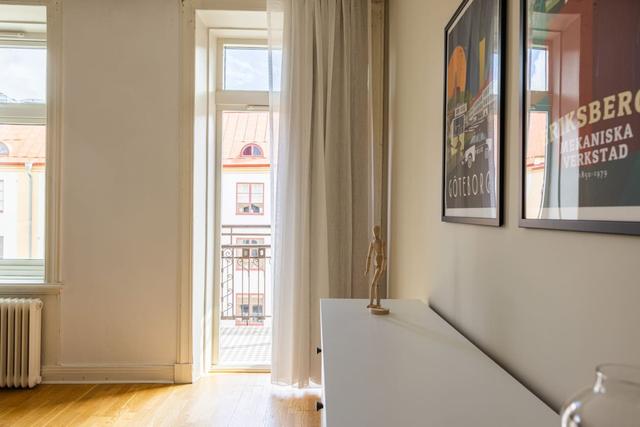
x: 377, y: 248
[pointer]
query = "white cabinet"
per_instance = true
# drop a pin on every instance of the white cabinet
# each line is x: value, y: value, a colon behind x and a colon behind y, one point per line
x: 411, y: 368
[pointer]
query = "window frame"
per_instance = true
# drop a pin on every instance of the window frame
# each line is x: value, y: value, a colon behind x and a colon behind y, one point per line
x: 250, y: 184
x: 252, y: 145
x: 243, y: 99
x: 547, y: 75
x: 249, y: 44
x: 537, y: 96
x: 540, y: 101
x: 47, y: 114
x: 251, y: 300
x: 242, y: 241
x: 24, y: 114
x: 254, y: 260
x: 2, y: 198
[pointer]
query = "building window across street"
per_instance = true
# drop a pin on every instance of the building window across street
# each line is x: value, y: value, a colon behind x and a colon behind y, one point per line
x: 252, y: 150
x: 250, y: 198
x: 249, y: 256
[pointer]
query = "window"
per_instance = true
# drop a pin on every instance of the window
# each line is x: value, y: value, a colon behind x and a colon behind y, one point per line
x: 248, y: 257
x: 257, y: 311
x: 23, y: 74
x: 247, y: 67
x: 244, y: 310
x: 249, y: 252
x: 537, y: 138
x: 540, y: 101
x: 23, y: 121
x: 250, y: 199
x: 539, y: 60
x: 251, y: 150
x: 249, y: 308
x: 243, y: 132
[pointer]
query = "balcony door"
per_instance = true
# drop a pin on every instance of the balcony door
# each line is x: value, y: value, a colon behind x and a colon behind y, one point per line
x: 244, y: 288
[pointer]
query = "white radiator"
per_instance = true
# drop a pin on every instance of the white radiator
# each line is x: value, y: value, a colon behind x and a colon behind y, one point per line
x: 20, y: 332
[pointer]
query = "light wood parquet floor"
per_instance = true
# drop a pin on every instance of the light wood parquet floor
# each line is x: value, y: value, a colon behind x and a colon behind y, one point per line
x: 221, y: 399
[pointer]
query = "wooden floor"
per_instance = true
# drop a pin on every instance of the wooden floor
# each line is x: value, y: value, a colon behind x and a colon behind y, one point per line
x: 224, y: 399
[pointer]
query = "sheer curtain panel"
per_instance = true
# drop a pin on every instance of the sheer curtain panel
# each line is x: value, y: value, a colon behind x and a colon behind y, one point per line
x: 322, y: 143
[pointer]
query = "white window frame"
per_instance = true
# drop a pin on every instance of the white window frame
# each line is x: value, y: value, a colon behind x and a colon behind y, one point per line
x: 49, y: 115
x: 229, y: 100
x: 24, y: 114
x: 250, y: 194
x: 2, y: 198
x: 544, y: 48
x: 233, y: 100
x: 237, y: 99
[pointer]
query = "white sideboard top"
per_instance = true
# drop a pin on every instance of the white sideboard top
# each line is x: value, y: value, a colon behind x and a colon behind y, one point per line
x: 411, y: 368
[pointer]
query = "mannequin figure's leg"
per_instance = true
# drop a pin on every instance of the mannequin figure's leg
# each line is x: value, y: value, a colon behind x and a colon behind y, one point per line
x: 375, y: 293
x: 371, y: 291
x: 376, y: 280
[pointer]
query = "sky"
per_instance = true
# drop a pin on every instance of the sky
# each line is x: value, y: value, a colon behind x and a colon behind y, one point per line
x: 538, y: 70
x: 23, y: 73
x: 248, y: 68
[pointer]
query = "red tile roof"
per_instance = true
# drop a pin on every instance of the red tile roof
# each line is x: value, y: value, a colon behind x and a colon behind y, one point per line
x: 26, y: 143
x: 240, y: 128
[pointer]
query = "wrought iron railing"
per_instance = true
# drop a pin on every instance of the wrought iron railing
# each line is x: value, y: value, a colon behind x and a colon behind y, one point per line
x: 245, y: 279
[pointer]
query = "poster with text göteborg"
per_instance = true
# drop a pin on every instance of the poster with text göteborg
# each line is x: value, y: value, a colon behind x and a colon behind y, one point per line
x: 473, y: 113
x: 581, y: 123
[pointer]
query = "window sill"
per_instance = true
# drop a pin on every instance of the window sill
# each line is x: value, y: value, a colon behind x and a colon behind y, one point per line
x: 30, y: 289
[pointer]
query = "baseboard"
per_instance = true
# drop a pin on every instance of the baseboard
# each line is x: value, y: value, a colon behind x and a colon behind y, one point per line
x: 99, y: 374
x: 183, y: 373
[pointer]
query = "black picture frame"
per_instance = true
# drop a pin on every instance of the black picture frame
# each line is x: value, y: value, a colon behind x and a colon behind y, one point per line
x: 501, y: 20
x: 596, y: 226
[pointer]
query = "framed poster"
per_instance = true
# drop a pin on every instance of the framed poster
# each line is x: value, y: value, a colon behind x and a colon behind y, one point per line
x: 473, y: 113
x: 580, y: 163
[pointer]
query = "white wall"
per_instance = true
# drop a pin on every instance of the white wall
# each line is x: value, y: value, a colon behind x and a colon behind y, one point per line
x: 120, y: 182
x: 120, y: 194
x: 549, y: 305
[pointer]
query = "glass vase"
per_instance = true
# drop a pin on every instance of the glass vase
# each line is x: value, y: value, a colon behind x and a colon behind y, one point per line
x: 614, y: 400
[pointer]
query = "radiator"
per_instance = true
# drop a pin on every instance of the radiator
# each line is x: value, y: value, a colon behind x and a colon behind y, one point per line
x: 20, y: 333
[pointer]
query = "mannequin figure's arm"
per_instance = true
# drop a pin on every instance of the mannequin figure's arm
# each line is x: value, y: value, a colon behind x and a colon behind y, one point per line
x: 369, y: 253
x: 384, y: 256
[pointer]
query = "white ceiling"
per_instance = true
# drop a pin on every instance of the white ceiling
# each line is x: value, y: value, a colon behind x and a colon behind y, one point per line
x: 233, y: 19
x: 10, y: 12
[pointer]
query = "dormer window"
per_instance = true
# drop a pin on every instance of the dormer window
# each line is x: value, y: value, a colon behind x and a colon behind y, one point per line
x: 251, y: 150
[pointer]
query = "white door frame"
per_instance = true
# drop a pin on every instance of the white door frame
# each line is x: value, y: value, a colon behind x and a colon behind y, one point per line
x: 183, y: 368
x: 225, y: 101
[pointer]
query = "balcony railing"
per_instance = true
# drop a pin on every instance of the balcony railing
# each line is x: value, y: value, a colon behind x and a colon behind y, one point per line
x: 245, y: 279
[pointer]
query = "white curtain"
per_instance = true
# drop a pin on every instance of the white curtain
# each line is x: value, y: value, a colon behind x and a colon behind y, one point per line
x: 322, y: 169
